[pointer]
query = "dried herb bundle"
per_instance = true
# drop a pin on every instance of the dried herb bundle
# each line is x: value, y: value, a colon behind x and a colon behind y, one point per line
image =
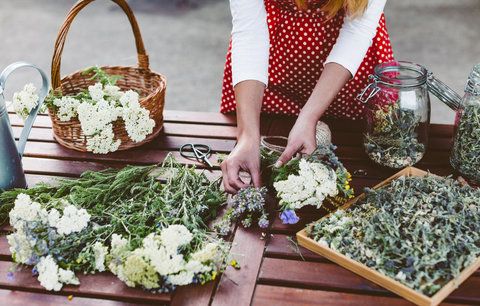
x: 393, y: 140
x: 421, y: 231
x: 466, y: 149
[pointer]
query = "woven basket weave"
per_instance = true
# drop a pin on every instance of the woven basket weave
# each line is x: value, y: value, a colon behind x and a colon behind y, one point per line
x: 150, y: 85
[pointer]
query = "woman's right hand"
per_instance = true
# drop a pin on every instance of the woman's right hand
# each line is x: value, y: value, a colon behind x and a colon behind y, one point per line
x: 244, y: 157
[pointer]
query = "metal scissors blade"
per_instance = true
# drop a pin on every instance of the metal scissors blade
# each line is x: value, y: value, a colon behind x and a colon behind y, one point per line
x: 201, y: 152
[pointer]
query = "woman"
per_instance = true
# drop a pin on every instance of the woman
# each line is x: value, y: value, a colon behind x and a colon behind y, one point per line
x: 314, y: 55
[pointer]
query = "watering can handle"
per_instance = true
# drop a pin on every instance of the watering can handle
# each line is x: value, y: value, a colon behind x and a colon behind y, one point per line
x: 33, y: 114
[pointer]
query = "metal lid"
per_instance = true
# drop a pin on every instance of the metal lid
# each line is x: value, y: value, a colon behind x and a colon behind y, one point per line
x: 443, y: 92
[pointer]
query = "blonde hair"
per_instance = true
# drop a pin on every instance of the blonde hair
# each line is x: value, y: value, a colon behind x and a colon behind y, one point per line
x: 332, y: 7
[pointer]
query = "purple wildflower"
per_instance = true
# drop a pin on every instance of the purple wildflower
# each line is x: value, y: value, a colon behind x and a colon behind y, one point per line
x: 289, y: 217
x: 263, y: 222
x: 10, y: 276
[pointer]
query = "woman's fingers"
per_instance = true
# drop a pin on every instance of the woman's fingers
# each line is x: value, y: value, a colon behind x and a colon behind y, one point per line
x: 226, y: 185
x: 255, y: 174
x: 231, y: 177
x: 308, y: 148
x: 287, y: 154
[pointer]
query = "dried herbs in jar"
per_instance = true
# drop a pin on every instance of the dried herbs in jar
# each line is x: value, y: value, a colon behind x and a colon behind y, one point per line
x: 397, y: 114
x: 465, y: 156
x: 393, y: 140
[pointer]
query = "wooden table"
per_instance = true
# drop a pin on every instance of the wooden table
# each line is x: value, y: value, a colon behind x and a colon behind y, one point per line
x: 273, y: 271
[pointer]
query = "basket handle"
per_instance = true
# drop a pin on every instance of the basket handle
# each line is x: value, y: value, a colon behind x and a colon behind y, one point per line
x: 62, y: 36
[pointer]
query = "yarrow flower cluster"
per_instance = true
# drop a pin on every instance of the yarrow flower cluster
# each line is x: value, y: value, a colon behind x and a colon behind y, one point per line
x: 25, y: 100
x: 160, y: 261
x: 311, y: 180
x: 248, y: 205
x: 99, y: 107
x: 313, y: 183
x: 36, y: 231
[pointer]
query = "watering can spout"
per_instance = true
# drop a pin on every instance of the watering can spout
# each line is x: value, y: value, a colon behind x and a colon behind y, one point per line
x: 11, y: 169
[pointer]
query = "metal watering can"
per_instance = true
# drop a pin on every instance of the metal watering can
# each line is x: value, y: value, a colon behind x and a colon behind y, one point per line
x: 11, y: 170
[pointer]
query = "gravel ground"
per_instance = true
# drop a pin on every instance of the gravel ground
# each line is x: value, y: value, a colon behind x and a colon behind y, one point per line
x: 187, y: 41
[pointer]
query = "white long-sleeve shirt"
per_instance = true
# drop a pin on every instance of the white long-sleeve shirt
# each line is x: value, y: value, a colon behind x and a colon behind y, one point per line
x: 250, y: 39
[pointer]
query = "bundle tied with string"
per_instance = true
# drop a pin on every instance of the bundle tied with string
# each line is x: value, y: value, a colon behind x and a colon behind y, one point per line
x: 273, y: 146
x: 277, y: 144
x: 149, y: 85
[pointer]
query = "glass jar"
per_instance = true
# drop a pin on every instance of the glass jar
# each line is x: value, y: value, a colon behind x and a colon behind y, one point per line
x: 397, y: 112
x: 465, y: 157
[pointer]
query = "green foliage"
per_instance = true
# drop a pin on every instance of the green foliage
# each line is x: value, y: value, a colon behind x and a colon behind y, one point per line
x: 97, y: 74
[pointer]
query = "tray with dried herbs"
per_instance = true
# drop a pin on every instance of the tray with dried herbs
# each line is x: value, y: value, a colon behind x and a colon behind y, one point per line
x: 420, y: 231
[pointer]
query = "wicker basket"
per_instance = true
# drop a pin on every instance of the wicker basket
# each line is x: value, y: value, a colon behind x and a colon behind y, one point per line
x: 150, y: 85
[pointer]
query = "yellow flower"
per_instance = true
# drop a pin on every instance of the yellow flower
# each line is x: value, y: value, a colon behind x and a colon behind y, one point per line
x: 70, y: 297
x: 214, y: 275
x: 347, y: 187
x: 234, y: 264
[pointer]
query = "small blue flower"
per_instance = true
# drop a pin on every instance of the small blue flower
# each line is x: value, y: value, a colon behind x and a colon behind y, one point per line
x: 10, y: 276
x: 34, y: 271
x: 263, y: 223
x: 289, y: 217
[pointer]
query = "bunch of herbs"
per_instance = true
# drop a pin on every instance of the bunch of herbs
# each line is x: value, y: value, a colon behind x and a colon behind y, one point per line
x: 131, y: 202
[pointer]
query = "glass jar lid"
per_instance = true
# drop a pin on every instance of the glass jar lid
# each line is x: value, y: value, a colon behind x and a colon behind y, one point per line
x: 400, y: 74
x: 443, y: 92
x: 473, y: 82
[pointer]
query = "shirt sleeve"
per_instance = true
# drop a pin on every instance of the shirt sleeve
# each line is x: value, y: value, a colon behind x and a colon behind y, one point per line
x: 356, y: 37
x: 250, y: 41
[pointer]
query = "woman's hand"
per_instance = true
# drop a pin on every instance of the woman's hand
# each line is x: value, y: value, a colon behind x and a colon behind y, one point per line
x: 302, y: 136
x: 244, y: 157
x: 300, y: 140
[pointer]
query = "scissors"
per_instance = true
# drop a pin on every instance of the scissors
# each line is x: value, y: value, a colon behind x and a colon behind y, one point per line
x: 200, y: 152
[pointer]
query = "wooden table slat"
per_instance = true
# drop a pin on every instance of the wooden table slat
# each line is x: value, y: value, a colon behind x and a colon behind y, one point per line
x: 284, y: 296
x: 236, y: 287
x: 319, y: 275
x: 21, y: 298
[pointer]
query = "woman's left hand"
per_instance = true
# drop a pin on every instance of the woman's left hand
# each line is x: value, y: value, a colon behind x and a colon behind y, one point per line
x: 300, y: 140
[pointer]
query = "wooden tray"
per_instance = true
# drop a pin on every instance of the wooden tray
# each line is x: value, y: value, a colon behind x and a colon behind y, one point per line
x: 376, y: 277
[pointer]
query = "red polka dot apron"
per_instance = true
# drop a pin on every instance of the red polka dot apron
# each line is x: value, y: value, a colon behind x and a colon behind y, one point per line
x: 300, y: 42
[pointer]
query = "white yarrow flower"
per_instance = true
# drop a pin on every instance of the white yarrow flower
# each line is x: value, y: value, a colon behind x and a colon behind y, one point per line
x: 51, y: 277
x: 25, y: 100
x: 311, y: 186
x: 100, y: 251
x: 73, y: 220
